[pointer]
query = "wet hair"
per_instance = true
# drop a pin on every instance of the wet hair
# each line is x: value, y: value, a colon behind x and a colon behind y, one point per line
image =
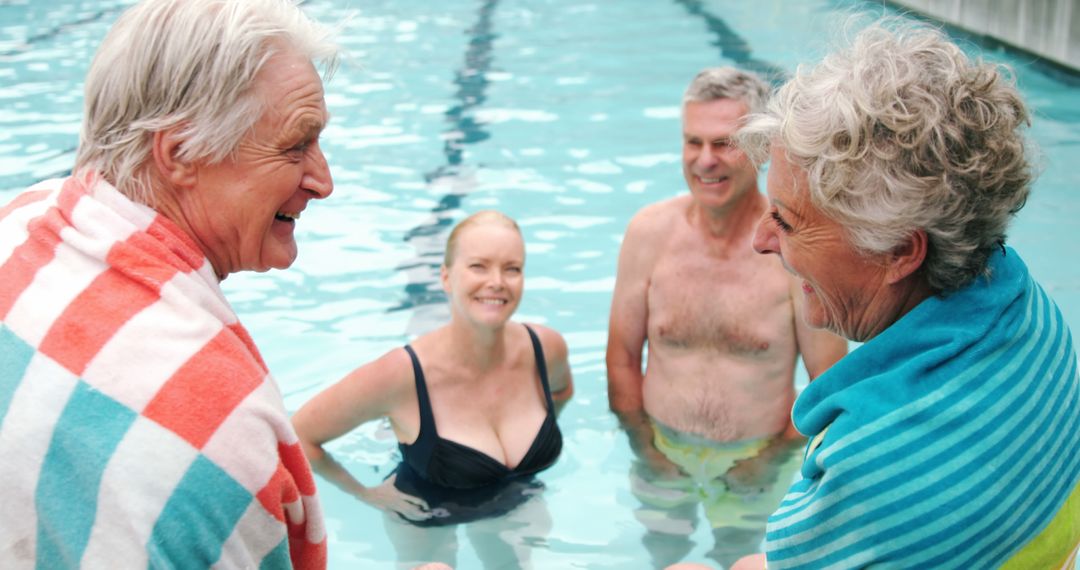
x: 481, y: 218
x: 901, y: 131
x: 186, y: 63
x: 713, y: 83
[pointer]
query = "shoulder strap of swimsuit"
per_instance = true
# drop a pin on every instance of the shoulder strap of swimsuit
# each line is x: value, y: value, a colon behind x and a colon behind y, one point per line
x: 427, y: 417
x: 541, y: 366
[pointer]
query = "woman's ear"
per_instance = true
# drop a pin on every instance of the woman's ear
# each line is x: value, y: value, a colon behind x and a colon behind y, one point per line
x: 907, y: 257
x: 170, y: 166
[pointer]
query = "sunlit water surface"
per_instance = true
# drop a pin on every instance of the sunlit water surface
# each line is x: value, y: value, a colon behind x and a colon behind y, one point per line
x: 562, y: 114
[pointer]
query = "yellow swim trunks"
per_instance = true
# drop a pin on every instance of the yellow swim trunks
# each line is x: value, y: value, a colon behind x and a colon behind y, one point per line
x: 705, y: 462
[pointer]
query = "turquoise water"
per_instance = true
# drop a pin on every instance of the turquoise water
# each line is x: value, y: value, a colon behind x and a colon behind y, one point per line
x: 561, y: 113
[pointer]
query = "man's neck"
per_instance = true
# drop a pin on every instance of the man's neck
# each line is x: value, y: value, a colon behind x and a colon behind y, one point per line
x: 731, y: 224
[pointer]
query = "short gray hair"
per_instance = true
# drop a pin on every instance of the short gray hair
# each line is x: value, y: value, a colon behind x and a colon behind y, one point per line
x: 188, y: 63
x: 901, y: 131
x: 713, y: 83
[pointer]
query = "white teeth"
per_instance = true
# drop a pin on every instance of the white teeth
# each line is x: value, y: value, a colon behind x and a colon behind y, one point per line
x: 711, y: 180
x: 290, y: 215
x: 492, y: 301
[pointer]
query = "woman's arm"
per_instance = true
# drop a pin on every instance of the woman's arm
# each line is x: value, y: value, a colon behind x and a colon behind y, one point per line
x: 372, y: 391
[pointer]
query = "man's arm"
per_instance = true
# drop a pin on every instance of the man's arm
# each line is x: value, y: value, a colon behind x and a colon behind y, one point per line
x: 627, y: 328
x: 628, y: 320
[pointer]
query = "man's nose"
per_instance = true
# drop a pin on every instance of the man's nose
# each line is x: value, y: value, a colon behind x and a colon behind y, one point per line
x: 317, y: 179
x: 707, y: 158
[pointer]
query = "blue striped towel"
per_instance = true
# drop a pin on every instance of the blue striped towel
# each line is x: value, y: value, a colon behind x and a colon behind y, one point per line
x: 950, y: 440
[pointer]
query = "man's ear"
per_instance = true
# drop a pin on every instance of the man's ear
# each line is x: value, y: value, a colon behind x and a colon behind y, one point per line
x: 907, y: 257
x: 170, y: 166
x: 444, y: 278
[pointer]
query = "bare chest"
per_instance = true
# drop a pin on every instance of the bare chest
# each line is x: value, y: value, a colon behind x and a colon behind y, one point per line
x: 736, y: 306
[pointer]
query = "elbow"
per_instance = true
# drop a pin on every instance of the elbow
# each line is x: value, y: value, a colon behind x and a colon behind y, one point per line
x: 315, y: 454
x: 563, y: 395
x: 622, y: 406
x: 312, y: 448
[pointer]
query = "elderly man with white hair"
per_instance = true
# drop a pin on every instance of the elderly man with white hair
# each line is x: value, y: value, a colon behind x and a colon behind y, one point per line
x: 138, y: 422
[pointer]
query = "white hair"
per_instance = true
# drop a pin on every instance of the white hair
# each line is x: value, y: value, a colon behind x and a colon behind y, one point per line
x: 900, y: 132
x: 189, y: 64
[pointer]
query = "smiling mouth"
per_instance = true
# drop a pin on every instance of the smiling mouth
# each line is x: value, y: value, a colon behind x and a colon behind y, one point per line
x: 712, y: 180
x: 489, y: 301
x: 287, y: 216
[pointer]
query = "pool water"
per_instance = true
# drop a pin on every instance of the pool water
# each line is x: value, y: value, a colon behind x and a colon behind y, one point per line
x: 561, y: 113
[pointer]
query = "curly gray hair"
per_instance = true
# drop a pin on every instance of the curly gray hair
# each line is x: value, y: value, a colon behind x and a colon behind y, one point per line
x: 902, y: 131
x: 185, y: 62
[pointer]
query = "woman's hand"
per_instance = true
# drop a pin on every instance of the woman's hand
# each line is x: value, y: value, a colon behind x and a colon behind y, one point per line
x: 386, y: 497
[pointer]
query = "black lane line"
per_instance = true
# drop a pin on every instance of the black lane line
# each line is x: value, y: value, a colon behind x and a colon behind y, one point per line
x: 423, y: 288
x: 32, y: 42
x: 733, y: 46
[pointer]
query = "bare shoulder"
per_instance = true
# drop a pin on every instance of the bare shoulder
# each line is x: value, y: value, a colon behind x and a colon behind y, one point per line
x: 373, y: 390
x: 560, y: 379
x: 395, y: 365
x: 656, y: 218
x: 386, y: 379
x: 647, y: 233
x: 553, y: 343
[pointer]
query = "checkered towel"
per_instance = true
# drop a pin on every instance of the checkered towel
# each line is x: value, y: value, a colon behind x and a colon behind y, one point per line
x: 138, y: 422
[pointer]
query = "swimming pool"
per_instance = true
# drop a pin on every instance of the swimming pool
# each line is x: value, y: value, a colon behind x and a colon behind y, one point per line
x: 564, y: 115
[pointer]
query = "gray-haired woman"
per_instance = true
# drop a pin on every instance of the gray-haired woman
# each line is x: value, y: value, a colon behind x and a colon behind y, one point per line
x: 950, y: 438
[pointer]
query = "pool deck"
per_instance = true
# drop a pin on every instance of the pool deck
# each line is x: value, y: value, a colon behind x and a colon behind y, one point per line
x: 1049, y: 29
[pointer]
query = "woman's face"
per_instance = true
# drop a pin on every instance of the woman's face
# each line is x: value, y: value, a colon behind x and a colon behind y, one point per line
x: 844, y: 290
x: 486, y: 278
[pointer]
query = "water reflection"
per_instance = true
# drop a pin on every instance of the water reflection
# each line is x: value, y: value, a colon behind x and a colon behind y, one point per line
x: 683, y: 481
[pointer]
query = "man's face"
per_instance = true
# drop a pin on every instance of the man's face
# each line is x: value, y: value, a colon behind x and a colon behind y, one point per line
x: 247, y: 205
x: 716, y: 172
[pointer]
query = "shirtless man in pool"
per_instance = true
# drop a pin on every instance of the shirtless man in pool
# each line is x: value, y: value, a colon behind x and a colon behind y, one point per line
x: 720, y: 321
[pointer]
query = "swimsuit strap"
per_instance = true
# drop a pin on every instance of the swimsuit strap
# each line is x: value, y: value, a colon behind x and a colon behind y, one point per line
x: 427, y: 417
x: 541, y: 366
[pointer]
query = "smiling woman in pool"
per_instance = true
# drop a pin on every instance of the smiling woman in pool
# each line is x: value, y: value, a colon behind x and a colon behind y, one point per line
x: 472, y: 403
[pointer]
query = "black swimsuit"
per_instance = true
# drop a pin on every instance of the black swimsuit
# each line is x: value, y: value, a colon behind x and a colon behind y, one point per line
x: 458, y: 478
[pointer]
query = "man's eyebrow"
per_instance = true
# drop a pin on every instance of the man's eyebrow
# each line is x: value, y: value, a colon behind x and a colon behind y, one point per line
x: 308, y: 126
